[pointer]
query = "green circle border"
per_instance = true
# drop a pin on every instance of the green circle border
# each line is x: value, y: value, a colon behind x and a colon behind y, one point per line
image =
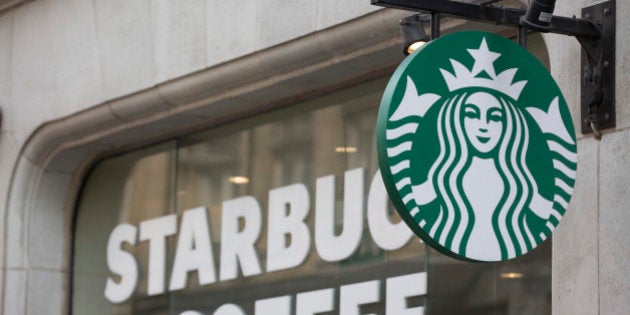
x: 381, y: 141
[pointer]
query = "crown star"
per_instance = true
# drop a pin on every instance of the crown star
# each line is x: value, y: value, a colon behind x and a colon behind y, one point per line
x: 484, y: 59
x: 462, y: 77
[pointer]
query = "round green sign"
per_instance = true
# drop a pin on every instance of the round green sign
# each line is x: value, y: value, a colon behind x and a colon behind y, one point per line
x: 476, y: 147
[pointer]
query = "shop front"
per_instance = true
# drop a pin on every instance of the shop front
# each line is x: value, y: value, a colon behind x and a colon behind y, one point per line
x: 183, y: 163
x: 282, y: 213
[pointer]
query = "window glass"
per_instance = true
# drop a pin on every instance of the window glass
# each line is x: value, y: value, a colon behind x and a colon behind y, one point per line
x: 317, y: 150
x: 253, y: 218
x: 127, y: 189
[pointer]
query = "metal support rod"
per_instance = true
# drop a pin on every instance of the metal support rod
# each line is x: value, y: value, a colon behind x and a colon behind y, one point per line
x: 595, y: 33
x: 489, y: 14
x: 522, y: 36
x: 435, y: 25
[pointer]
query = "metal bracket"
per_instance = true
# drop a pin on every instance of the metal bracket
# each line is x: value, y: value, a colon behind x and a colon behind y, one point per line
x: 598, y: 75
x: 595, y: 31
x: 491, y: 14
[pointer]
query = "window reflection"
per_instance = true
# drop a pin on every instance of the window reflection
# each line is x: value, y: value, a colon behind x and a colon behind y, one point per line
x: 251, y: 158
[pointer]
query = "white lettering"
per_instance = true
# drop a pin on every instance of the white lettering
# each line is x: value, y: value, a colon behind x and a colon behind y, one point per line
x: 238, y: 246
x: 229, y: 309
x: 329, y: 246
x: 313, y: 302
x: 277, y: 306
x: 402, y: 287
x: 288, y: 241
x: 288, y: 207
x: 353, y: 295
x: 194, y: 250
x: 122, y: 263
x: 155, y: 231
x: 386, y: 235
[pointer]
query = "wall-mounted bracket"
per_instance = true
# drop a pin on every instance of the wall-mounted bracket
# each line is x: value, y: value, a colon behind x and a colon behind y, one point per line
x: 595, y: 31
x: 598, y: 75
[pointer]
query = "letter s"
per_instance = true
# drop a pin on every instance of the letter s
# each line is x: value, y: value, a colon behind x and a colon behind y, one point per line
x: 121, y: 263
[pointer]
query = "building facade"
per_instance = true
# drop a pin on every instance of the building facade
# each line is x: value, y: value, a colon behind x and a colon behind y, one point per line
x: 127, y: 124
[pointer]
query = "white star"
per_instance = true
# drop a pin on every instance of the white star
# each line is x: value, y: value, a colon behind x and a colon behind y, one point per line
x: 483, y: 59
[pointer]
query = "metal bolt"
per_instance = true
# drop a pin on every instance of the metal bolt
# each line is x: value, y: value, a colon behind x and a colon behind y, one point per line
x: 606, y: 116
x: 606, y: 64
x: 607, y: 11
x: 587, y: 16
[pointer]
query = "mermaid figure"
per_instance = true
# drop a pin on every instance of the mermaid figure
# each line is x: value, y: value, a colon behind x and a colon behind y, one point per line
x: 484, y: 177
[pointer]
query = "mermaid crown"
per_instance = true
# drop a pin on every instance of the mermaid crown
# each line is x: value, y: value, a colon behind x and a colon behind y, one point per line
x: 484, y: 59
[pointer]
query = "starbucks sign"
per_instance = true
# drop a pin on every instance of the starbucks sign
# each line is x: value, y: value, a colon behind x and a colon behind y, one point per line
x: 476, y: 147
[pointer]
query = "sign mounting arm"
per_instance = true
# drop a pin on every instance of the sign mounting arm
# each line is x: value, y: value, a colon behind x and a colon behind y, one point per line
x: 595, y: 33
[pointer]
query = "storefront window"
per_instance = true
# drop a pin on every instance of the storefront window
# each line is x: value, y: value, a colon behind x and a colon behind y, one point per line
x: 284, y: 213
x: 127, y: 189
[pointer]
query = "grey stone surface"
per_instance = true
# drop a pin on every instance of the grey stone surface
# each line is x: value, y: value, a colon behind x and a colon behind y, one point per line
x: 7, y: 4
x: 623, y: 65
x: 179, y: 37
x: 34, y: 92
x: 6, y: 26
x: 2, y: 278
x: 332, y: 12
x: 75, y: 55
x: 118, y: 47
x: 306, y: 53
x: 614, y: 220
x: 125, y: 37
x: 47, y: 246
x: 17, y: 234
x: 610, y: 295
x: 231, y: 35
x: 282, y: 20
x: 72, y: 131
x: 88, y: 122
x: 8, y: 145
x: 15, y: 292
x: 574, y: 255
x: 8, y: 156
x: 138, y: 105
x: 564, y: 55
x: 566, y: 8
x: 72, y: 160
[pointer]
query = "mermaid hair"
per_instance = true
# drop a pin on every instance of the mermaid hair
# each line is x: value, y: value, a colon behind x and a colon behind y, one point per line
x: 456, y: 217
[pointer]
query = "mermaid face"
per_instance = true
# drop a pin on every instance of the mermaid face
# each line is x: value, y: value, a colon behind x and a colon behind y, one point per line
x: 483, y: 121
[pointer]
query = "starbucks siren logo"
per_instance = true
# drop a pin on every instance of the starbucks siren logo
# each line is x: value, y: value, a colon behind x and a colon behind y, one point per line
x: 476, y: 147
